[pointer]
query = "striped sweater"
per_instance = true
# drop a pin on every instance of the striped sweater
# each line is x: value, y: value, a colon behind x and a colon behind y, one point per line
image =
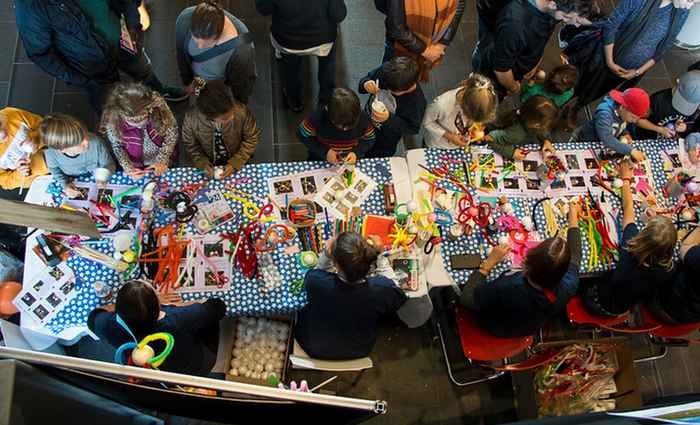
x: 319, y: 135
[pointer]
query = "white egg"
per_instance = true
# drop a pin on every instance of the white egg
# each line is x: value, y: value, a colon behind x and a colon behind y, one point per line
x: 258, y: 368
x: 233, y: 372
x: 269, y: 367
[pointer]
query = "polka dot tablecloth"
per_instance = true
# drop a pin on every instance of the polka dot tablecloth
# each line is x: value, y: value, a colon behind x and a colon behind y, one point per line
x: 244, y: 297
x: 658, y: 152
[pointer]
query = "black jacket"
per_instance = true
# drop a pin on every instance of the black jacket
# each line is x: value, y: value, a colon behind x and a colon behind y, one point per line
x: 397, y: 31
x: 300, y: 25
x: 58, y: 37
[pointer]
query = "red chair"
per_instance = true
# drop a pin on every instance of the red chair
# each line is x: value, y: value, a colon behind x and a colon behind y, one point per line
x: 665, y: 334
x: 578, y: 314
x: 480, y: 346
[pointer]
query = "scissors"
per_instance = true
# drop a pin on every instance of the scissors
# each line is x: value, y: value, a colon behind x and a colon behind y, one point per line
x: 469, y: 211
x: 431, y: 244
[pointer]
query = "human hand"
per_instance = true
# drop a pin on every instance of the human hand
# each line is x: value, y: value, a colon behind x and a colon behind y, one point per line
x: 519, y: 154
x: 169, y: 298
x: 159, y: 168
x: 371, y: 87
x: 498, y: 253
x: 209, y: 170
x: 629, y: 74
x: 350, y: 158
x: 626, y: 170
x: 434, y: 52
x: 515, y: 89
x: 71, y: 191
x: 666, y: 132
x: 574, y: 211
x: 547, y: 148
x: 455, y: 138
x: 617, y: 69
x: 637, y: 155
x: 681, y: 126
x: 380, y: 116
x: 332, y: 156
x: 376, y: 241
x: 228, y: 170
x: 23, y: 166
x: 136, y: 174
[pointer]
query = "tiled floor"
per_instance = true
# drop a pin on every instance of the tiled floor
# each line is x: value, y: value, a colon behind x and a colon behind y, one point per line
x: 409, y: 372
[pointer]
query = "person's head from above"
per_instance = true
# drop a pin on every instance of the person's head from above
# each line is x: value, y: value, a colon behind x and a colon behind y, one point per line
x: 686, y: 95
x: 64, y: 133
x: 633, y: 103
x: 546, y: 264
x: 478, y: 99
x: 561, y: 79
x: 683, y: 4
x: 538, y: 114
x: 344, y: 109
x: 570, y: 12
x: 208, y: 20
x: 216, y: 102
x: 654, y: 245
x: 353, y: 256
x: 132, y: 103
x: 138, y: 305
x: 400, y: 75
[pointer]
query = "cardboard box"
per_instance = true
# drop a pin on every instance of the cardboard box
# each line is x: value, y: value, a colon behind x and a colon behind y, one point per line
x: 628, y: 395
x: 290, y: 341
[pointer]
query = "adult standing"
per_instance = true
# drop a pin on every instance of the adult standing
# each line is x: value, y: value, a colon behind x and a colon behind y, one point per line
x: 523, y: 27
x: 619, y: 50
x: 86, y: 42
x: 212, y: 44
x: 304, y: 29
x: 421, y: 29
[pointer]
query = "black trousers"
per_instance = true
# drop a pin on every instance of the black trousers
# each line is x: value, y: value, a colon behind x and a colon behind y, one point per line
x: 293, y: 79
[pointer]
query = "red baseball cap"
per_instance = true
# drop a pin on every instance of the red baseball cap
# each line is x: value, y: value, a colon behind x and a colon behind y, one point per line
x: 635, y: 100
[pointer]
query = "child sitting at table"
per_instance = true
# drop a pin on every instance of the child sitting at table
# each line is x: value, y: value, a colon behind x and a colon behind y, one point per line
x: 680, y: 302
x: 344, y: 304
x: 22, y: 173
x: 646, y: 260
x: 518, y: 304
x: 450, y: 116
x: 612, y: 116
x: 531, y: 123
x: 194, y: 326
x: 71, y: 151
x: 220, y: 131
x: 400, y: 76
x: 141, y: 129
x: 558, y: 86
x: 339, y: 132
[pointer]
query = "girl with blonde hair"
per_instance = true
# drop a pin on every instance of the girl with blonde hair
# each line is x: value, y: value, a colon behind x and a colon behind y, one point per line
x: 141, y: 129
x: 646, y: 262
x: 449, y: 117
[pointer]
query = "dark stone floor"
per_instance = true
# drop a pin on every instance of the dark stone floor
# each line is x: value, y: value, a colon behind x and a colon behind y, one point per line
x: 409, y: 371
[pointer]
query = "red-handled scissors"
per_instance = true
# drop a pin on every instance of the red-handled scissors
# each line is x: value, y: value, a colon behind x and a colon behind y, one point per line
x: 468, y: 211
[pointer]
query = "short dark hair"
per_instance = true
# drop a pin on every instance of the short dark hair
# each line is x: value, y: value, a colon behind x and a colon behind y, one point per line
x: 354, y: 256
x: 138, y: 306
x: 585, y: 8
x: 207, y: 20
x: 344, y: 108
x: 561, y: 79
x: 546, y: 264
x: 215, y: 99
x: 400, y: 73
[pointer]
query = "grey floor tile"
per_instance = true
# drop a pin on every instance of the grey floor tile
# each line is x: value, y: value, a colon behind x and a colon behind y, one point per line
x: 647, y: 380
x: 21, y: 54
x: 166, y: 10
x: 7, y: 10
x: 652, y: 85
x: 678, y: 60
x: 3, y: 94
x: 8, y: 43
x: 290, y: 152
x: 264, y: 152
x: 673, y: 373
x: 77, y: 105
x: 31, y: 88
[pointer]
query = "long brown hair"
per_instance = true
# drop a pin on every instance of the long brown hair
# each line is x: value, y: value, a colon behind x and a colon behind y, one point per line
x: 537, y: 114
x: 128, y: 100
x: 354, y: 256
x: 477, y: 98
x: 546, y: 264
x: 655, y: 244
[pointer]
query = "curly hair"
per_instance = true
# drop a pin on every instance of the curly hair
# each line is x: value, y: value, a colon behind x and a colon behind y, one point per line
x: 129, y: 100
x: 477, y: 98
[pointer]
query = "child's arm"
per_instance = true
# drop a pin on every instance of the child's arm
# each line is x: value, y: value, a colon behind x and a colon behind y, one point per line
x: 366, y: 141
x: 55, y: 169
x: 307, y: 135
x: 104, y: 157
x: 503, y: 141
x: 603, y: 121
x: 487, y: 296
x: 250, y: 138
x: 431, y: 121
x: 628, y: 216
x: 644, y: 123
x: 568, y: 287
x: 373, y: 75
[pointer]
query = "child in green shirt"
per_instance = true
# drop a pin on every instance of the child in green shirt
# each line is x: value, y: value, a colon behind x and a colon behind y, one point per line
x: 557, y: 86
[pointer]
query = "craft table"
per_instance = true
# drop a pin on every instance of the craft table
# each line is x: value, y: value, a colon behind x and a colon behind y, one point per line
x: 437, y: 266
x: 244, y: 297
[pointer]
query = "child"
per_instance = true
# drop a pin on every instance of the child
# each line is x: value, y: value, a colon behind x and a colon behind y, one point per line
x: 612, y: 115
x: 339, y: 132
x: 526, y: 125
x: 399, y: 76
x: 518, y: 304
x: 449, y: 117
x: 19, y: 174
x: 220, y: 131
x: 692, y: 143
x: 71, y: 151
x: 558, y: 86
x: 646, y: 260
x: 194, y: 326
x: 680, y: 303
x: 340, y: 320
x: 141, y: 128
x: 673, y: 112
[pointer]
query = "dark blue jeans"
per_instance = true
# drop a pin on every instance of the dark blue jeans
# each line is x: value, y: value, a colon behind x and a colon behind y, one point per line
x: 293, y: 79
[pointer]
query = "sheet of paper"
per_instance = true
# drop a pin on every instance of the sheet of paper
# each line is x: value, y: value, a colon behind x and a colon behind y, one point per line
x: 46, y: 293
x: 212, y: 210
x: 208, y: 257
x: 14, y: 153
x: 339, y: 198
x: 284, y: 189
x: 107, y: 222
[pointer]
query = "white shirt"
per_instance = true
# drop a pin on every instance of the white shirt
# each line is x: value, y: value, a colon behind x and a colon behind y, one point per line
x: 441, y: 116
